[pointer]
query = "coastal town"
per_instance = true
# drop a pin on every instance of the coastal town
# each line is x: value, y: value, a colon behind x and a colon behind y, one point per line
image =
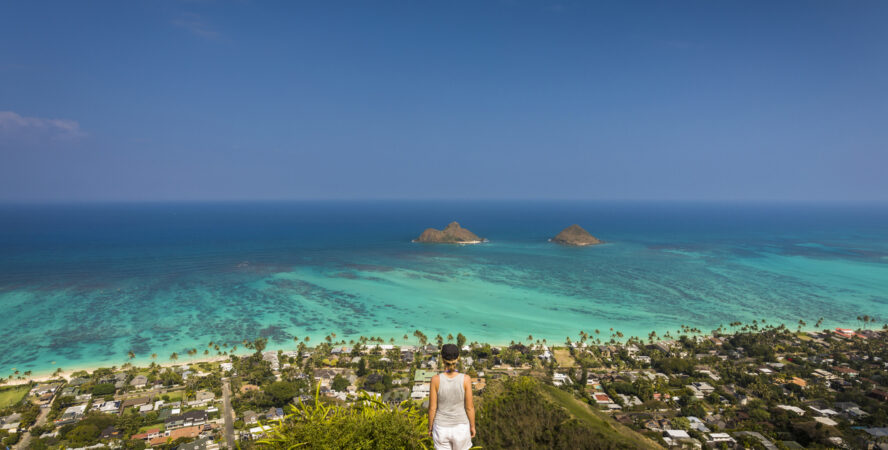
x: 741, y: 386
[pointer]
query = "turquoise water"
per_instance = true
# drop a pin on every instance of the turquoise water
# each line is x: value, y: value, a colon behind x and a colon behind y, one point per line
x: 82, y: 285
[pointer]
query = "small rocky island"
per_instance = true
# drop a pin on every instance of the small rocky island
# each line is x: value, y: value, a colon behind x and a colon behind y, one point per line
x: 575, y: 235
x: 453, y: 234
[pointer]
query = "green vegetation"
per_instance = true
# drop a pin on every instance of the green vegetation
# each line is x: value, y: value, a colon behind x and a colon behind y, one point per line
x: 596, y: 419
x: 12, y: 395
x: 521, y: 413
x: 368, y: 424
x: 103, y: 389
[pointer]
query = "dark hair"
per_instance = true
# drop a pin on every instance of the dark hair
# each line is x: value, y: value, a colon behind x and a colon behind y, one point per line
x: 449, y: 355
x: 450, y: 352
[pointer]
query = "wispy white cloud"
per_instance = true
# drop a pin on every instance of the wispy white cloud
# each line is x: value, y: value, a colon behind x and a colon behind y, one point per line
x: 13, y: 124
x: 194, y: 24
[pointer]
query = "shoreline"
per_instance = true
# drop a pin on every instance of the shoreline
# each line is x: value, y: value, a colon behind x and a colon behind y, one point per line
x: 45, y: 376
x: 40, y: 377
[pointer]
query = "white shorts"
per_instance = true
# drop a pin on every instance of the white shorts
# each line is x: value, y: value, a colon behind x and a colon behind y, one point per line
x: 458, y: 437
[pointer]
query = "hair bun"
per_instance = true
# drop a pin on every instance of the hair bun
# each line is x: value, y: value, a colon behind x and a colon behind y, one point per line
x: 450, y: 352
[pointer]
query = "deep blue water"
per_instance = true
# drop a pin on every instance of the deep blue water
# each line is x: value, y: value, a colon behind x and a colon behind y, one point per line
x: 83, y: 284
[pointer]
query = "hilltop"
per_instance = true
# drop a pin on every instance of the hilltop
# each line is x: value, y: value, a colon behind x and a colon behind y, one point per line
x: 575, y: 235
x: 452, y: 234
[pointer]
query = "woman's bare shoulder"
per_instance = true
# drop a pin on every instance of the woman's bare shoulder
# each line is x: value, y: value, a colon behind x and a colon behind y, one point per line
x: 435, y: 378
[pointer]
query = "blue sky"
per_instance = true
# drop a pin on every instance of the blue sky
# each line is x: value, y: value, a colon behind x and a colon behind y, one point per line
x: 218, y: 100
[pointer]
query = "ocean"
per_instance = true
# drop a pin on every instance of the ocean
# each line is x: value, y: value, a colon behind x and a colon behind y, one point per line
x: 83, y: 284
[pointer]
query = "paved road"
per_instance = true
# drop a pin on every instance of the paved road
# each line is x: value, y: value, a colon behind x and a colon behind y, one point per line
x: 229, y: 414
x: 26, y: 435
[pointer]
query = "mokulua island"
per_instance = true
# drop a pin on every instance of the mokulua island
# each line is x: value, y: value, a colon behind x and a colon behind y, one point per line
x: 452, y: 234
x: 575, y: 235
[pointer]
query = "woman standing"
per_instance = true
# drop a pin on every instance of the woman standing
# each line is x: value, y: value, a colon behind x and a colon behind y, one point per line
x: 451, y: 411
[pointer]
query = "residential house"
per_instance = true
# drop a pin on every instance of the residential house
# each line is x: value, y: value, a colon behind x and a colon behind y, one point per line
x: 139, y: 381
x: 275, y: 414
x: 71, y: 415
x: 189, y: 419
x: 251, y: 417
x: 172, y: 435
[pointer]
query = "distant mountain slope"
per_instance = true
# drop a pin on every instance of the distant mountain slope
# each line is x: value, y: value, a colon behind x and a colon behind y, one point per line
x: 452, y: 234
x: 522, y: 413
x: 575, y: 235
x: 582, y: 411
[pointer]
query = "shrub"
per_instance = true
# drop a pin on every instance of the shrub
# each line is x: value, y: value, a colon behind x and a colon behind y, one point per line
x: 368, y: 424
x: 103, y: 389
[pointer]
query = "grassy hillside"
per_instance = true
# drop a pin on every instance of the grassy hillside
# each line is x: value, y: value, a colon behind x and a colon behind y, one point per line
x: 522, y: 413
x: 597, y: 420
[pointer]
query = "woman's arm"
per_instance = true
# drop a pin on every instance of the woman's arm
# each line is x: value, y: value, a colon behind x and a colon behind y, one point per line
x: 470, y: 403
x: 433, y: 402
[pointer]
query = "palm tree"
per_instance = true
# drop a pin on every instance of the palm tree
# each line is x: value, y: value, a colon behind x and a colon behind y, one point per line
x: 174, y: 356
x: 154, y: 356
x: 131, y: 354
x: 450, y: 337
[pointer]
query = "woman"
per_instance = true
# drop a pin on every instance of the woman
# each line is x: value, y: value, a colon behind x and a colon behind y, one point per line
x: 451, y: 411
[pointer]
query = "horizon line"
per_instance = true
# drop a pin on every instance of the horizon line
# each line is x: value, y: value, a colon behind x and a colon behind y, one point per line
x: 778, y: 201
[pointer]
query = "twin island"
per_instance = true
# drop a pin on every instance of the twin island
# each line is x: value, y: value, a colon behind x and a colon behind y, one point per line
x: 573, y: 235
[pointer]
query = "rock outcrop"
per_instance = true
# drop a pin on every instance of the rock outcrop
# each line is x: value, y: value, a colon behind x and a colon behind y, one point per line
x: 453, y: 234
x: 575, y: 235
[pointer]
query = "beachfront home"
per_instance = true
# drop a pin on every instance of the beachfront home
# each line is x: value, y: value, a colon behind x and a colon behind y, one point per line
x: 272, y: 359
x: 139, y: 382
